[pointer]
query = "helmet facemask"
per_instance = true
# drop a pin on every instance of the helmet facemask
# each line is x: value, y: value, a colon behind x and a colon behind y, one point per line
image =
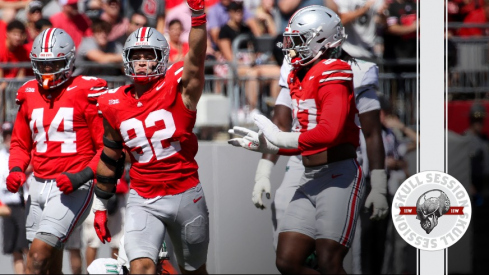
x: 297, y: 47
x: 153, y: 71
x: 52, y: 72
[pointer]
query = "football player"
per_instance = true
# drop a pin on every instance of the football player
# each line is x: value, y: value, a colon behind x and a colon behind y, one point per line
x: 153, y: 119
x: 58, y: 129
x: 324, y: 204
x: 365, y: 81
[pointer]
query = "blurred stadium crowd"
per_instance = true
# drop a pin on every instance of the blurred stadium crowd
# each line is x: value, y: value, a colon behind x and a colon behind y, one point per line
x: 243, y: 67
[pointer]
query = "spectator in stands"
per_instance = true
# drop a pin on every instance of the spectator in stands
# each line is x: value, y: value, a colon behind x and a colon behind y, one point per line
x: 265, y: 18
x: 218, y: 16
x: 13, y: 50
x: 93, y: 8
x: 400, y: 34
x: 99, y: 49
x: 458, y: 9
x: 178, y: 49
x: 154, y: 10
x: 360, y: 26
x: 10, y: 8
x: 478, y: 151
x: 228, y: 33
x: 42, y: 24
x: 33, y: 14
x: 288, y: 7
x: 77, y: 25
x: 136, y: 21
x: 480, y: 15
x: 183, y: 14
x: 14, y: 233
x: 113, y: 15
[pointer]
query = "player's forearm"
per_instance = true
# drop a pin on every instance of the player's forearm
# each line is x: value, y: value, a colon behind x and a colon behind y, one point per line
x: 375, y: 152
x: 401, y: 30
x: 348, y: 17
x: 197, y: 45
x: 271, y: 157
x: 372, y: 131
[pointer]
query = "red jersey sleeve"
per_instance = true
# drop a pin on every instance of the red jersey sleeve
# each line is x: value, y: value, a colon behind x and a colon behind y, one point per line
x: 335, y: 106
x: 96, y: 88
x: 21, y: 143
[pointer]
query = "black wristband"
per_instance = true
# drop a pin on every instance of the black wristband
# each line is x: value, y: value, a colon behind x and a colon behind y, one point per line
x: 104, y: 179
x: 101, y: 194
x: 78, y: 179
x: 108, y: 160
x: 16, y: 169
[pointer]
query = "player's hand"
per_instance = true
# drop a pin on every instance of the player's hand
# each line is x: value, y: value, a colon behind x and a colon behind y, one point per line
x: 252, y: 141
x: 100, y: 225
x: 197, y: 6
x: 69, y: 182
x: 262, y: 182
x: 272, y: 133
x: 15, y: 180
x: 377, y: 197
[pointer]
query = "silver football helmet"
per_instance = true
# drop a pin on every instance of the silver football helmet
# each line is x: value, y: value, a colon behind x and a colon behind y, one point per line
x: 146, y: 38
x: 311, y: 32
x: 53, y: 57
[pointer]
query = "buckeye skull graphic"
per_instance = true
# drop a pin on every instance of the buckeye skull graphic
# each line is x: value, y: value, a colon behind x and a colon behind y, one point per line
x: 431, y: 206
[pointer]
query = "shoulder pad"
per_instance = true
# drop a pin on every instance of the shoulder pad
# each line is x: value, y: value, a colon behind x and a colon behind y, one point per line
x: 333, y: 70
x: 93, y: 86
x: 24, y: 90
x: 365, y: 74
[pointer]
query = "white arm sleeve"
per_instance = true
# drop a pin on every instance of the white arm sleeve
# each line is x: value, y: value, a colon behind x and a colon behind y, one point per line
x: 284, y: 73
x: 284, y: 98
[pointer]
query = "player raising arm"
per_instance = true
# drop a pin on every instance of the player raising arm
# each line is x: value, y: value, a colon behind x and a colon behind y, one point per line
x: 57, y: 124
x: 152, y: 120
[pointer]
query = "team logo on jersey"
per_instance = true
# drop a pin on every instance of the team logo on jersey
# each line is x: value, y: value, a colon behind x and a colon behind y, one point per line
x: 431, y: 210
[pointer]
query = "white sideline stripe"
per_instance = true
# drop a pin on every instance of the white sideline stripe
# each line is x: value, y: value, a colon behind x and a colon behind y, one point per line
x: 337, y: 71
x: 97, y: 94
x: 334, y: 78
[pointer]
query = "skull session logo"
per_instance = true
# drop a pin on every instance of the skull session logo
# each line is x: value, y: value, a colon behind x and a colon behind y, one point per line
x: 431, y: 210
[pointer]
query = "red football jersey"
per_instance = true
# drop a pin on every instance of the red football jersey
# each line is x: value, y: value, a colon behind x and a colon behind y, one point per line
x: 61, y: 129
x: 317, y: 93
x: 157, y: 130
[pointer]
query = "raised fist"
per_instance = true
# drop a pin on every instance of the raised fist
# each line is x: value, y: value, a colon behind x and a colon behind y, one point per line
x: 197, y: 6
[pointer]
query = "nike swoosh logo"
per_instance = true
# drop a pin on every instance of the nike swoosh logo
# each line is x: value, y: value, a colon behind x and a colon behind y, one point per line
x: 159, y: 87
x: 71, y: 88
x: 335, y: 176
x: 197, y: 199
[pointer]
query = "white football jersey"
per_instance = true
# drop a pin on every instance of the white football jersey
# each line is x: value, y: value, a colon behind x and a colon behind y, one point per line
x: 104, y: 266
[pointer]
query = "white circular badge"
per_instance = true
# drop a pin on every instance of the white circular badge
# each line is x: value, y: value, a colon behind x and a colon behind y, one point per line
x: 431, y: 210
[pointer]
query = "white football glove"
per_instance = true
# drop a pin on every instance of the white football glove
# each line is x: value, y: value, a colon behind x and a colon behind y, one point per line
x: 377, y: 198
x: 262, y: 182
x: 252, y: 141
x: 287, y: 140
